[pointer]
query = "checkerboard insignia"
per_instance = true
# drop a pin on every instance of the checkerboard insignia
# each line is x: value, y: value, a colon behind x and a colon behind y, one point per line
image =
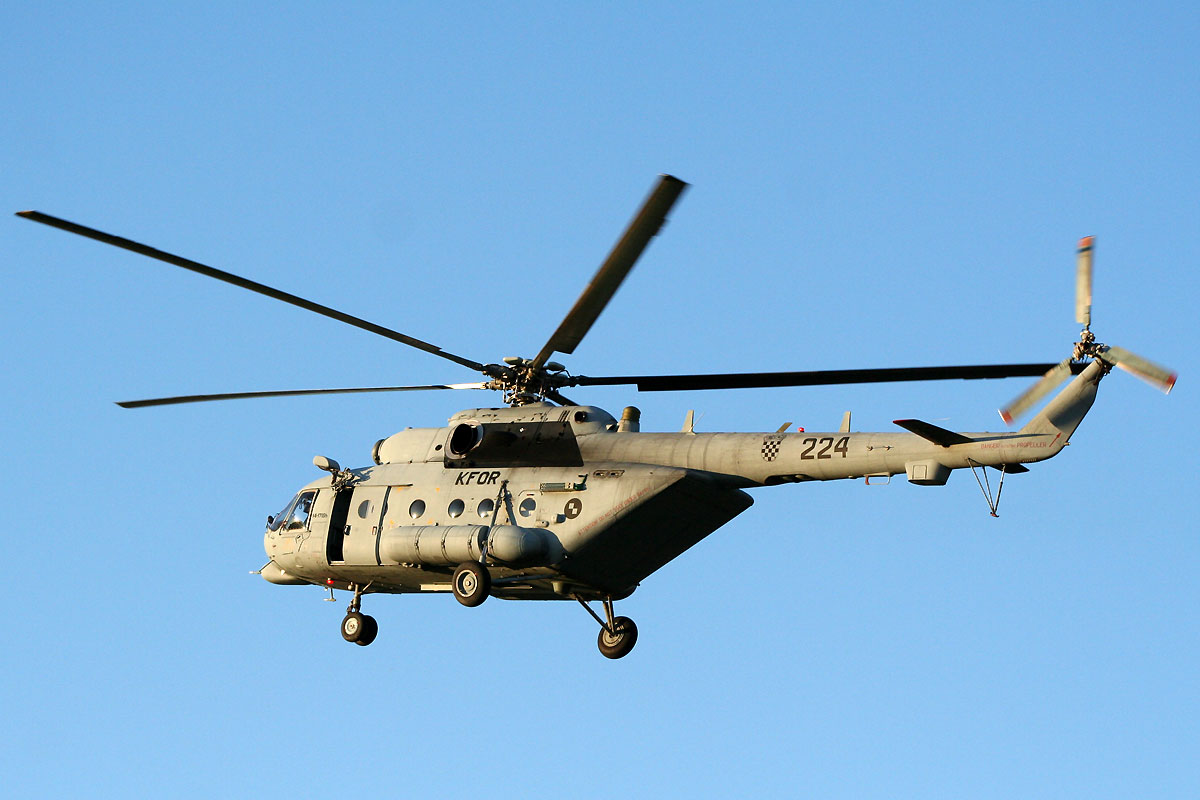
x: 770, y: 448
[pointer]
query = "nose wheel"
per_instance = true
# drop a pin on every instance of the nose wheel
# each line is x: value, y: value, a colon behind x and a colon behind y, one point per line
x: 359, y: 628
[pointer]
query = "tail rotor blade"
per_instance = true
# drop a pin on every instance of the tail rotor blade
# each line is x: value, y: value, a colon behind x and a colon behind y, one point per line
x: 1134, y: 364
x: 1030, y: 397
x: 1083, y: 281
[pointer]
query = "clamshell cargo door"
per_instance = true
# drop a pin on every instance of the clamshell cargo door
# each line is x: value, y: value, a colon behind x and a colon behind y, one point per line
x: 364, y: 511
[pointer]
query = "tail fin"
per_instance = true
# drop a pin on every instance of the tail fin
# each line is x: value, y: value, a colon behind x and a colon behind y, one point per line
x: 1063, y: 414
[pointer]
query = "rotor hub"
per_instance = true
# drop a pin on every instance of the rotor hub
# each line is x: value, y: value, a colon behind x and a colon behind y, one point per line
x: 524, y: 382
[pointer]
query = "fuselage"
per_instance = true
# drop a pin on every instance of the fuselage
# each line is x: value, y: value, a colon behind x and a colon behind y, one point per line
x: 565, y: 500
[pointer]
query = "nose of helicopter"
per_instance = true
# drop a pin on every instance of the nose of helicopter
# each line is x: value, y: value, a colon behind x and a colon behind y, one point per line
x: 273, y: 573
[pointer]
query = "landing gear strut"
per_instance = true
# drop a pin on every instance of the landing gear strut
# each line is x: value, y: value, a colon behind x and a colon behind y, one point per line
x: 472, y: 583
x: 358, y: 627
x: 617, y: 636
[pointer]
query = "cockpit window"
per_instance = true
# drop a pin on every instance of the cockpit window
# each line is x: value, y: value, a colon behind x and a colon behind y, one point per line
x: 295, y: 515
x: 299, y: 516
x: 275, y: 522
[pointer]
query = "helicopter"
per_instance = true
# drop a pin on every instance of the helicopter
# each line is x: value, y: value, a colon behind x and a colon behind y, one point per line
x: 542, y: 498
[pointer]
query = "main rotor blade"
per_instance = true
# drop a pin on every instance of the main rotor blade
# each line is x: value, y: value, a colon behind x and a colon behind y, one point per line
x: 1147, y: 370
x: 1083, y: 281
x: 244, y: 283
x: 205, y: 398
x: 612, y: 272
x: 1029, y: 398
x: 755, y: 380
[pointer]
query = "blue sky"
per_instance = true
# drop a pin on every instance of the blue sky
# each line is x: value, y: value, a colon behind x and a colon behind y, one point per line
x: 872, y: 185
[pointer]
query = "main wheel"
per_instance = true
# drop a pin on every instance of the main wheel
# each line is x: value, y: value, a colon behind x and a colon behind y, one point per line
x: 617, y: 645
x: 471, y: 583
x: 368, y: 632
x: 353, y: 626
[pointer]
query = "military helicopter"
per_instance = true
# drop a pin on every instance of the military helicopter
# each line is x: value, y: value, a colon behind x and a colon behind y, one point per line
x: 545, y: 499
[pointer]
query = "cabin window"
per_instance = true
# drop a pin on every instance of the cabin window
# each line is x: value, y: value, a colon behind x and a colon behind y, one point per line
x: 456, y: 508
x: 417, y: 509
x: 527, y: 506
x: 485, y: 509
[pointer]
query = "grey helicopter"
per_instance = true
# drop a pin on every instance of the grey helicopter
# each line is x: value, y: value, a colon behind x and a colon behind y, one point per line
x: 545, y: 499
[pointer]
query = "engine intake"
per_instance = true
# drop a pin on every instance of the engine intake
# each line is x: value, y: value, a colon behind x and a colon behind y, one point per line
x: 510, y: 444
x: 464, y: 438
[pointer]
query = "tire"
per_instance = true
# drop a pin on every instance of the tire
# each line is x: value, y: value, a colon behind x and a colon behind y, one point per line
x: 370, y: 629
x: 471, y: 584
x: 353, y: 625
x: 618, y: 645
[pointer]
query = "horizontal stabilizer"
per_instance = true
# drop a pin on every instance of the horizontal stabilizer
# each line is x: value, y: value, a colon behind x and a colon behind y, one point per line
x: 932, y: 432
x: 1011, y: 469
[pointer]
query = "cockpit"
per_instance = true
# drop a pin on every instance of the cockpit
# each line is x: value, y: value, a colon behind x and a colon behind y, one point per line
x: 294, y: 515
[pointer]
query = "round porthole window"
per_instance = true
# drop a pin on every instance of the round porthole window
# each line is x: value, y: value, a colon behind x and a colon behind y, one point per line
x: 527, y: 506
x: 456, y: 508
x: 486, y: 507
x: 417, y: 509
x: 364, y: 508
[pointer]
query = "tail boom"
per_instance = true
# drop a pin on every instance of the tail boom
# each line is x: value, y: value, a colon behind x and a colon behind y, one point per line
x: 755, y: 459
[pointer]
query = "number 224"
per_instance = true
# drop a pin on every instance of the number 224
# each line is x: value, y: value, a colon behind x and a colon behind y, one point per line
x: 843, y: 444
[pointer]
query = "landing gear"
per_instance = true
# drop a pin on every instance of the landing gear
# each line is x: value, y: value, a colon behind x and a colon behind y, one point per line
x: 618, y: 635
x: 471, y: 584
x: 619, y: 641
x: 359, y: 628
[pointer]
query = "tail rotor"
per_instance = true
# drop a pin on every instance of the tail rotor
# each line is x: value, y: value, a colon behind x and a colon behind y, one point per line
x: 1087, y: 347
